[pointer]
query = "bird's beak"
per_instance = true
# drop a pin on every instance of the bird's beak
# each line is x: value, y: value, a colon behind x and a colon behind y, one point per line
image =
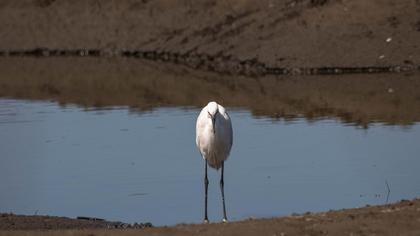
x: 213, y: 122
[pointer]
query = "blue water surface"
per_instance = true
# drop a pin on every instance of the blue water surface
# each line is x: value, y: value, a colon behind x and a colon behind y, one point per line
x: 126, y: 165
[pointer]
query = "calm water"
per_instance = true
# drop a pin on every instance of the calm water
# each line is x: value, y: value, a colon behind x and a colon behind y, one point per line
x: 134, y: 167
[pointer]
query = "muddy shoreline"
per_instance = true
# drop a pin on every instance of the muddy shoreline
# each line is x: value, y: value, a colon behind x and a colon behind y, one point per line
x: 402, y: 218
x: 245, y: 37
x: 10, y: 221
x: 219, y: 63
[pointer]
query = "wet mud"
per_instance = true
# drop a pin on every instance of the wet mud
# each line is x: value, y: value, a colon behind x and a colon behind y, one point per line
x: 12, y: 222
x: 219, y: 63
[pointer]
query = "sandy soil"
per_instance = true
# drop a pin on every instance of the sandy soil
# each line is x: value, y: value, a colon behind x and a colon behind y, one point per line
x: 402, y: 218
x: 282, y: 33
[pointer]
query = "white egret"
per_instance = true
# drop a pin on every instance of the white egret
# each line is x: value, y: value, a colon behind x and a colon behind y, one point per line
x: 214, y: 140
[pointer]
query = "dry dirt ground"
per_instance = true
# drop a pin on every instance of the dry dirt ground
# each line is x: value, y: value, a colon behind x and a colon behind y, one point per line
x: 402, y: 218
x: 279, y: 33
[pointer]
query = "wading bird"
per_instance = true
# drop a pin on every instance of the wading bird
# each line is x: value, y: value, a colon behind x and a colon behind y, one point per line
x: 214, y: 140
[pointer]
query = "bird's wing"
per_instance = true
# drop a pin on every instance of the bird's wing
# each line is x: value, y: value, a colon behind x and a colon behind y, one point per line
x: 227, y: 125
x: 230, y: 130
x: 200, y: 127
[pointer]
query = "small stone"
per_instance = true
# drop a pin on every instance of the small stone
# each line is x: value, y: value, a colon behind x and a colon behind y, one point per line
x: 386, y: 211
x: 388, y: 40
x: 148, y: 225
x: 381, y: 56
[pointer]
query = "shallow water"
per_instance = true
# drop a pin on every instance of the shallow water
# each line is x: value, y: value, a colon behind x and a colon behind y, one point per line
x: 133, y: 166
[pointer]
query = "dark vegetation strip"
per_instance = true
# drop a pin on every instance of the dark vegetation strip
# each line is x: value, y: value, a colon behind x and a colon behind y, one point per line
x: 10, y: 222
x: 215, y: 63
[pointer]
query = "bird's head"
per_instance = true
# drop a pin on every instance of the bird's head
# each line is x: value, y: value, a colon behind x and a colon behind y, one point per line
x: 212, y: 110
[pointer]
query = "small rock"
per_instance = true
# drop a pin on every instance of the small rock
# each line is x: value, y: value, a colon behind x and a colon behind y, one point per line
x: 386, y: 211
x: 148, y: 225
x: 390, y: 90
x: 388, y: 40
x: 381, y: 57
x: 409, y: 62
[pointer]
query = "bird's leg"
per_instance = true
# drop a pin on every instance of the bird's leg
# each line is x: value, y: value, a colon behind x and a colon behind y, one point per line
x: 223, y: 194
x: 206, y: 185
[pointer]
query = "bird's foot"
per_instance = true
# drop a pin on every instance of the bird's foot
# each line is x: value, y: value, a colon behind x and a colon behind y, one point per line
x: 206, y: 221
x: 225, y: 220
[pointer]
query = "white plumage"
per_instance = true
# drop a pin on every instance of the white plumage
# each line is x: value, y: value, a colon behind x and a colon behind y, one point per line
x: 214, y: 140
x: 214, y: 137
